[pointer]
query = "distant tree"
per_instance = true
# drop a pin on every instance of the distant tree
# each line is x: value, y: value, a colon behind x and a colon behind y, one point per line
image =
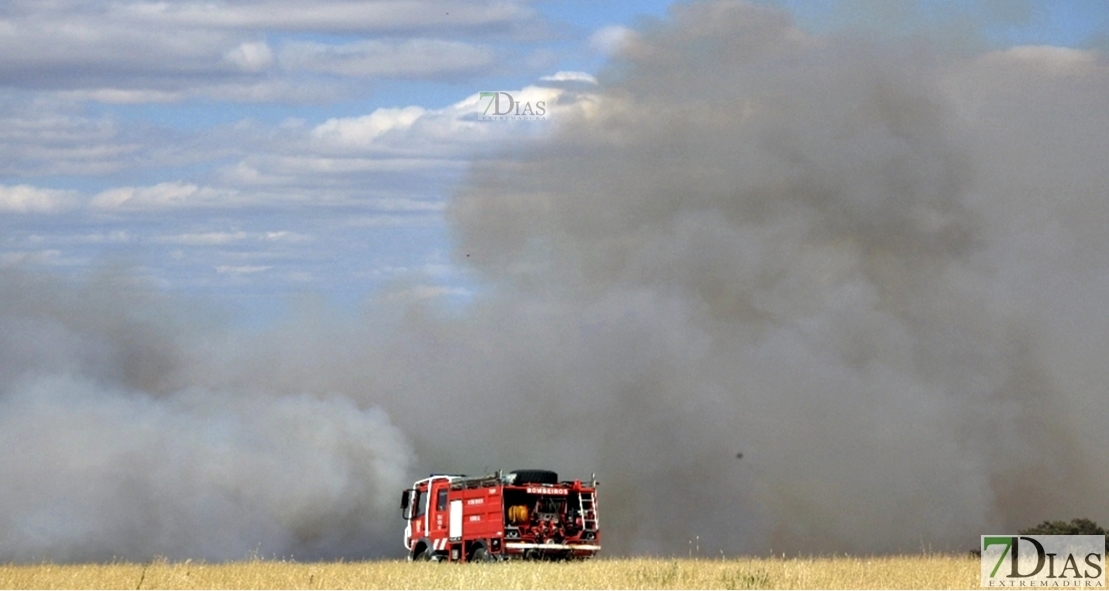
x: 1075, y: 527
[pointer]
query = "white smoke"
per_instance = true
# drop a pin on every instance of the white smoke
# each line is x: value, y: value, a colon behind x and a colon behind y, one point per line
x: 103, y: 457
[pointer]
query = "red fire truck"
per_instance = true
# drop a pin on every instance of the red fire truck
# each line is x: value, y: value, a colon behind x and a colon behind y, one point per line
x: 520, y: 514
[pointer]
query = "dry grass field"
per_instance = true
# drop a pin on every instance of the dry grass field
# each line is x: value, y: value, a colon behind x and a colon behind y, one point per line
x: 902, y: 572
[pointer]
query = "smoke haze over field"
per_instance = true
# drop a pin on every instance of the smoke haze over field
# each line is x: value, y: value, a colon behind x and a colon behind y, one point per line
x: 115, y: 445
x: 877, y: 272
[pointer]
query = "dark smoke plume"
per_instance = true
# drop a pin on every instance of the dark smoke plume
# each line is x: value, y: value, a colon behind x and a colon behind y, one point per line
x: 845, y: 259
x: 876, y: 271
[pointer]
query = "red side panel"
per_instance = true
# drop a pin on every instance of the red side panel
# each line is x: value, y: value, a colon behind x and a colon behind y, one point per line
x: 482, y: 512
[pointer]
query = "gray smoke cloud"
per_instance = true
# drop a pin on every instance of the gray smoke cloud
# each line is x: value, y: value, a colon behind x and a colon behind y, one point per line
x: 872, y: 270
x: 112, y: 446
x: 875, y: 270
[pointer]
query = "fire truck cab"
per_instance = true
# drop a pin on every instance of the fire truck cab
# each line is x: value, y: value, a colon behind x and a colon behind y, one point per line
x: 522, y: 514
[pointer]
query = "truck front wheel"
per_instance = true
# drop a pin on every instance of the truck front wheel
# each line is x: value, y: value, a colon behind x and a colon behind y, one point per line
x: 481, y: 555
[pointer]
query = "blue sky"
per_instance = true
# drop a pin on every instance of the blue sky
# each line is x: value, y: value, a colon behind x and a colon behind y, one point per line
x: 253, y: 152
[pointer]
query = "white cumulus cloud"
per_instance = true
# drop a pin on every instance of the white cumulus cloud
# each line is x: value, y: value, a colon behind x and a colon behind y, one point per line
x: 251, y: 56
x: 160, y: 196
x: 364, y: 129
x: 610, y: 39
x: 29, y: 199
x: 570, y: 77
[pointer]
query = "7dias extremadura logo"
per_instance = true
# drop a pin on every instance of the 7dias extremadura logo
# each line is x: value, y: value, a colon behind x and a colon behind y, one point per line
x: 503, y: 105
x: 1071, y: 562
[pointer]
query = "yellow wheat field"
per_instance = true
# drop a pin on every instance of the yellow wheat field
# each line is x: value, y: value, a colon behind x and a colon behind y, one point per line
x: 900, y: 572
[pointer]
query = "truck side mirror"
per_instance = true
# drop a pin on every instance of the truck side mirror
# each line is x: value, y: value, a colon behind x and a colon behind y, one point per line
x: 405, y: 504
